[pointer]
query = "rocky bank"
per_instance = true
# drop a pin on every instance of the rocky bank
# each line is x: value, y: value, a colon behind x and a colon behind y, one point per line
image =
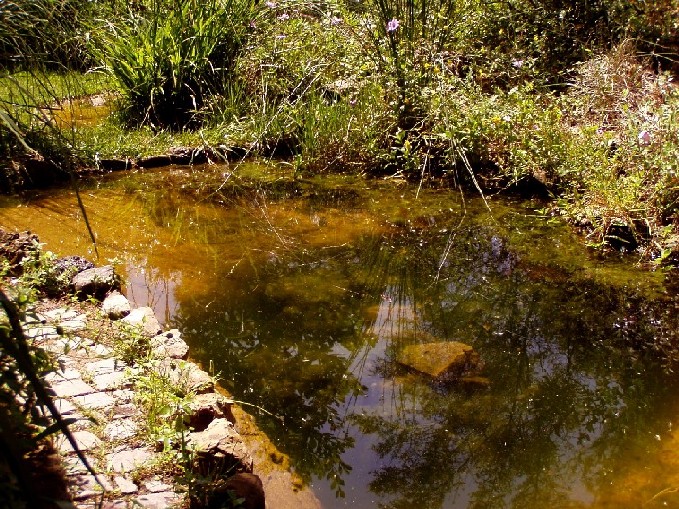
x: 100, y: 389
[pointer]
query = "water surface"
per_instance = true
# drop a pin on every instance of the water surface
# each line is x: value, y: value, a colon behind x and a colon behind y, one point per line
x: 301, y: 293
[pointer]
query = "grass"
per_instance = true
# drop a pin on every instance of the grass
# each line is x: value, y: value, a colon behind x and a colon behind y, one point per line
x: 29, y: 88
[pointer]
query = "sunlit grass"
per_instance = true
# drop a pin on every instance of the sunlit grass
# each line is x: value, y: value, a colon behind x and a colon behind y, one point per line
x: 33, y: 88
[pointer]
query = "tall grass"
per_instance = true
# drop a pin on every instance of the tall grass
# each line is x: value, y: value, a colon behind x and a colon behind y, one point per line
x: 48, y: 34
x: 172, y: 57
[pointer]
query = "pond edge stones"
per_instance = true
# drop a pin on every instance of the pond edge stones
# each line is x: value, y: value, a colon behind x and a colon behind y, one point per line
x: 91, y: 381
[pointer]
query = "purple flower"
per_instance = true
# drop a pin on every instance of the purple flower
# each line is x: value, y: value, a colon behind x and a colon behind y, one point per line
x: 393, y: 25
x: 335, y: 21
x: 283, y: 17
x: 644, y: 138
x: 517, y: 64
x: 270, y: 4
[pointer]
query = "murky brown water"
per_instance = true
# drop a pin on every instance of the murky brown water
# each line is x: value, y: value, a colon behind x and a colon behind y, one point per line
x: 302, y: 292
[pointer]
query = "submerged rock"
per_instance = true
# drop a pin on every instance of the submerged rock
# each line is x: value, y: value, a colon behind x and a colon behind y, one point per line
x: 443, y: 360
x: 243, y: 486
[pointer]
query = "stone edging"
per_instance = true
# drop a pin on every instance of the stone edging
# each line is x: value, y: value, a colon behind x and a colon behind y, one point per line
x: 93, y: 389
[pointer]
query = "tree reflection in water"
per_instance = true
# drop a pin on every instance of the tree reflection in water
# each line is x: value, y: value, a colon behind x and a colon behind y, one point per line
x: 310, y: 335
x: 302, y: 294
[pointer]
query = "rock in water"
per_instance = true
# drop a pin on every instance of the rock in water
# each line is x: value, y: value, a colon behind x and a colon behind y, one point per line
x: 440, y: 360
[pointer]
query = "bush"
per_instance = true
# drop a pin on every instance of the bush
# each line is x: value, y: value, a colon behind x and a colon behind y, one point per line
x: 171, y: 58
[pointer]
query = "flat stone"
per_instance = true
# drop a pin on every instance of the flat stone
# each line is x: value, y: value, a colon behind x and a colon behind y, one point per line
x: 439, y: 359
x: 111, y: 504
x: 120, y: 429
x: 125, y: 486
x: 85, y: 441
x: 162, y: 500
x: 77, y: 343
x: 41, y: 331
x: 169, y: 344
x: 96, y: 400
x: 60, y: 375
x: 86, y: 486
x: 64, y: 406
x: 99, y: 350
x: 125, y: 410
x: 108, y: 381
x: 58, y: 314
x: 73, y: 466
x: 123, y: 396
x: 105, y: 366
x: 66, y: 362
x: 157, y: 486
x: 56, y: 345
x: 116, y: 306
x: 128, y: 459
x: 69, y: 388
x: 145, y: 319
x: 75, y: 324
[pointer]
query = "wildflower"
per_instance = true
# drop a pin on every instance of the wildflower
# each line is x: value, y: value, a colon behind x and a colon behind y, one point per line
x: 334, y: 21
x: 393, y: 25
x: 252, y: 24
x: 644, y: 138
x: 270, y: 4
x: 517, y: 64
x: 283, y: 17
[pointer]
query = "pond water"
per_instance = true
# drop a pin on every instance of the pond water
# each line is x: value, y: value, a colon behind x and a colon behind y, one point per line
x: 301, y: 293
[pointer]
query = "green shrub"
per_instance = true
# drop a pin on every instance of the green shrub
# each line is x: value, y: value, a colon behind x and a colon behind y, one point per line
x: 170, y: 59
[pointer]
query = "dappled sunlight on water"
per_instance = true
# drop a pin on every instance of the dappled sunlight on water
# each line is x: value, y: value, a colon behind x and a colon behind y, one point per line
x: 302, y: 294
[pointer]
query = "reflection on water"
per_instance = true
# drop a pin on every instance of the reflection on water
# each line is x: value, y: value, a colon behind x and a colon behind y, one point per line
x: 302, y: 295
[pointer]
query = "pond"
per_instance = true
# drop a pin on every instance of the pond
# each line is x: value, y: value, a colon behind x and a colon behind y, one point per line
x: 302, y: 293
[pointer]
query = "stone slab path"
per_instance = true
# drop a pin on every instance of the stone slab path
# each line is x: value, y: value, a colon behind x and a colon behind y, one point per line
x: 93, y: 390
